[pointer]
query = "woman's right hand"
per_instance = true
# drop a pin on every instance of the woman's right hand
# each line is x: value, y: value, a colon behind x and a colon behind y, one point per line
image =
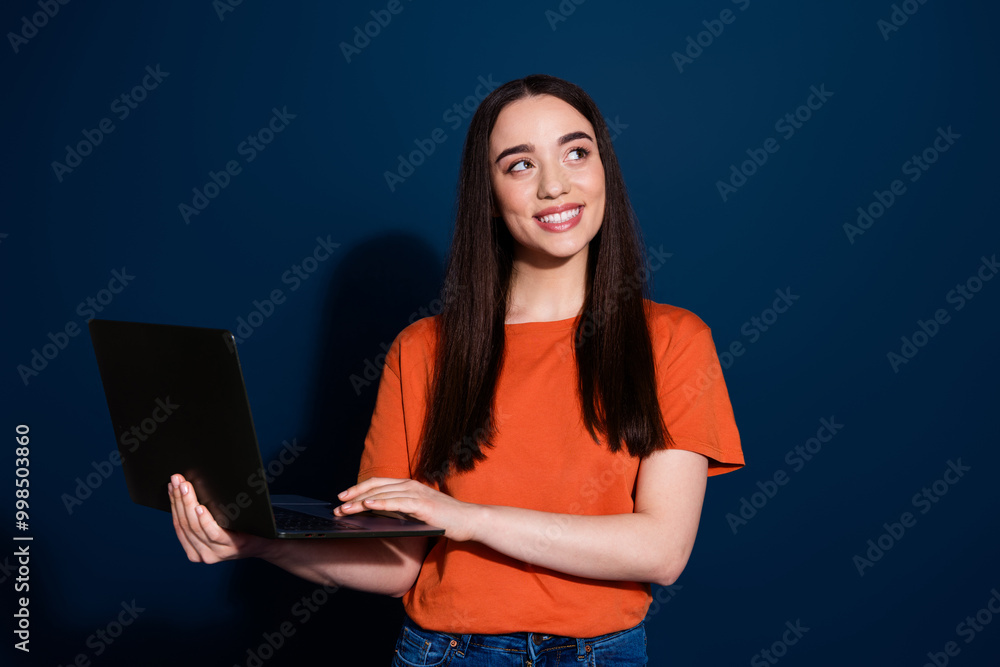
x: 203, y: 539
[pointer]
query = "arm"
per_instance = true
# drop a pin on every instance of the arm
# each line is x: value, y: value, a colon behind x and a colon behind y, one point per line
x: 651, y: 544
x: 389, y: 566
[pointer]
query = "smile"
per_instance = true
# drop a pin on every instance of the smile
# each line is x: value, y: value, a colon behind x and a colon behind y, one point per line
x: 560, y: 221
x: 557, y: 218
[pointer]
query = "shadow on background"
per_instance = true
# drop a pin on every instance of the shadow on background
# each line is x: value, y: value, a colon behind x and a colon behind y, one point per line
x: 374, y: 292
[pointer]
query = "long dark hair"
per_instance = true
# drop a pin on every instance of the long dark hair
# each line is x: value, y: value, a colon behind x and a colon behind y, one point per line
x: 614, y: 354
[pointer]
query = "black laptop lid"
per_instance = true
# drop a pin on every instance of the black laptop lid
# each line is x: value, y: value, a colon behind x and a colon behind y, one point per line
x: 178, y: 405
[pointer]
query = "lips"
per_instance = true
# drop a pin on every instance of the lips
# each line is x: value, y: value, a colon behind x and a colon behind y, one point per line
x: 559, y: 214
x: 559, y: 219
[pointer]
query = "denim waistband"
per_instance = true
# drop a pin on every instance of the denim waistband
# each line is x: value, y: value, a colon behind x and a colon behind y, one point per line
x: 533, y: 644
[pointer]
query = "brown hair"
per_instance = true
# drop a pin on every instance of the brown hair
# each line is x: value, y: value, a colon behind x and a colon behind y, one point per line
x: 614, y: 353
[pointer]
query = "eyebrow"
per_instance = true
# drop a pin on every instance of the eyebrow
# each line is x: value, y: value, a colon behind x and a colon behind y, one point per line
x: 527, y: 148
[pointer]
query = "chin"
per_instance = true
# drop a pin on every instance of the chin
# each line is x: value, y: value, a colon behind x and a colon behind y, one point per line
x: 561, y: 253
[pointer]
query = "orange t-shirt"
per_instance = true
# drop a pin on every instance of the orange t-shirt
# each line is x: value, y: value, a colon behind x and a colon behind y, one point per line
x: 544, y: 459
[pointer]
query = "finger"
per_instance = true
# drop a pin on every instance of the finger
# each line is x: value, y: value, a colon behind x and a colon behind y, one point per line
x: 357, y: 493
x: 415, y: 507
x: 370, y: 483
x: 373, y: 486
x: 397, y: 488
x: 177, y: 501
x: 183, y: 540
x: 177, y: 515
x: 411, y: 509
x: 357, y: 505
x: 189, y: 502
x: 205, y: 537
x: 181, y: 517
x: 215, y: 533
x: 360, y: 487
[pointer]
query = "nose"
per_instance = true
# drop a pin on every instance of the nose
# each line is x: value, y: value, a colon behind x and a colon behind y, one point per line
x: 552, y: 182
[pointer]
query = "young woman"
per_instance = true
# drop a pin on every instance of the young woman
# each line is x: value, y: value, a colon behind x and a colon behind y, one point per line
x: 555, y: 422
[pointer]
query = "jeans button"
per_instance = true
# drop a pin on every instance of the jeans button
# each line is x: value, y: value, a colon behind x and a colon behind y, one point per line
x: 537, y: 638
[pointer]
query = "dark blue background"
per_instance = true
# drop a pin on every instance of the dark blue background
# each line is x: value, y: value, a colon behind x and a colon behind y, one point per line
x: 323, y: 176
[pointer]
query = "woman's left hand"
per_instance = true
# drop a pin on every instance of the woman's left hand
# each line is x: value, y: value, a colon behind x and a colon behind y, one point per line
x: 459, y: 519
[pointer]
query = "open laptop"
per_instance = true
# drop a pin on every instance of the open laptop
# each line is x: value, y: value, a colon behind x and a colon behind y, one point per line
x: 178, y: 404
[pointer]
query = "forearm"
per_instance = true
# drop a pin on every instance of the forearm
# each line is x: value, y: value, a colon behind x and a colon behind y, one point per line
x: 387, y: 566
x: 651, y: 544
x: 617, y: 547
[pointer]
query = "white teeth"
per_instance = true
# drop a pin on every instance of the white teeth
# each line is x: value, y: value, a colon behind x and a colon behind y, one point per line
x: 561, y: 217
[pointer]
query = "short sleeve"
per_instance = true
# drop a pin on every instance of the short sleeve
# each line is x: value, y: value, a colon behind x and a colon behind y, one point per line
x: 695, y: 402
x: 386, y: 453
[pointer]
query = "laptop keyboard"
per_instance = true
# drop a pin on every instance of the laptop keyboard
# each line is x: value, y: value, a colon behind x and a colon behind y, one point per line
x: 287, y: 519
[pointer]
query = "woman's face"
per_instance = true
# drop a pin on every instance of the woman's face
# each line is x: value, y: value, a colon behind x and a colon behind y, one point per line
x: 548, y: 179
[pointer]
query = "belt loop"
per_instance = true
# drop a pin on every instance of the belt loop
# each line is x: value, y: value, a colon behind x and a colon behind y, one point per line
x: 463, y: 645
x: 581, y: 650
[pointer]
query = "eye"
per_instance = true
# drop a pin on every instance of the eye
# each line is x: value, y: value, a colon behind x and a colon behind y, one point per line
x: 519, y: 165
x: 580, y: 152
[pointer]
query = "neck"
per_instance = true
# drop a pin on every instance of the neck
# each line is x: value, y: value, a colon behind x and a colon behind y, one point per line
x: 547, y: 289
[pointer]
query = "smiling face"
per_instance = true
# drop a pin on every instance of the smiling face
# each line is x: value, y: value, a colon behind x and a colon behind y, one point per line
x: 548, y: 179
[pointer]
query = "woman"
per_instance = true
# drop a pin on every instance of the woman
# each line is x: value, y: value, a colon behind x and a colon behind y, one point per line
x: 574, y: 422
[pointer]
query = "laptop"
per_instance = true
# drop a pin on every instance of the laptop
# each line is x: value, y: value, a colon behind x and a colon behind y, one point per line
x: 179, y: 404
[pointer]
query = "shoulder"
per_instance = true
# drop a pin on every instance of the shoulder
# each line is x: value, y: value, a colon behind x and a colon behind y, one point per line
x: 422, y: 331
x: 671, y: 323
x: 414, y: 346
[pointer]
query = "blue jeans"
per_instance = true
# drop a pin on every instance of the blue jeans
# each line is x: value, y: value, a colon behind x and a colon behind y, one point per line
x: 417, y: 647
